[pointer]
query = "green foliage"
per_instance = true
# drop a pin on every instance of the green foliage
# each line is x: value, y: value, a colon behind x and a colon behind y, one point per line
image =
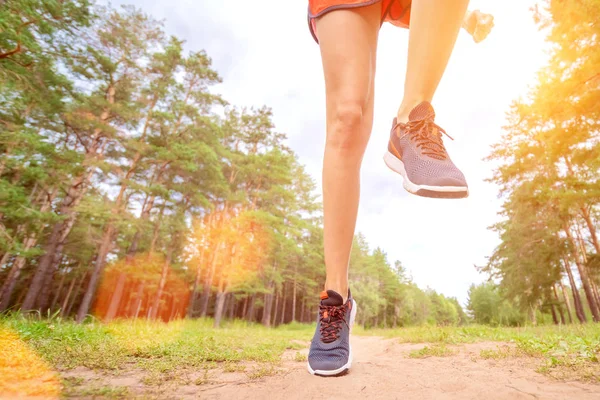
x: 548, y: 163
x: 116, y: 150
x: 388, y: 299
x: 113, y: 143
x: 488, y: 307
x: 445, y: 312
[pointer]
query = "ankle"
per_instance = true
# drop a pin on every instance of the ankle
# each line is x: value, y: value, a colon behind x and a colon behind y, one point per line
x: 402, y: 116
x: 340, y: 287
x: 408, y: 105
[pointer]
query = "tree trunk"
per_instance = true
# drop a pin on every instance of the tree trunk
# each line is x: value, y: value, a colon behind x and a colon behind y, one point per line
x: 584, y: 257
x: 532, y: 314
x: 385, y: 317
x: 19, y: 262
x: 133, y: 246
x: 65, y: 301
x: 595, y: 290
x: 11, y: 281
x: 226, y: 302
x: 282, y: 305
x: 576, y: 298
x: 59, y: 232
x: 172, y: 313
x: 554, y: 318
x: 3, y: 261
x: 43, y: 299
x: 232, y: 302
x: 68, y: 209
x: 139, y: 300
x: 585, y: 212
x: 221, y: 296
x: 190, y: 311
x: 144, y: 216
x: 147, y: 207
x: 294, y: 293
x: 106, y: 241
x: 127, y: 301
x: 560, y: 310
x: 268, y: 299
x: 22, y: 294
x: 76, y: 293
x: 250, y: 312
x: 567, y: 302
x: 303, y: 308
x: 115, y: 301
x: 58, y: 292
x: 274, y: 319
x: 86, y: 303
x: 157, y: 230
x: 585, y: 281
x: 193, y: 295
x: 109, y: 230
x: 245, y: 307
x: 162, y: 282
x: 219, y: 308
x: 206, y: 290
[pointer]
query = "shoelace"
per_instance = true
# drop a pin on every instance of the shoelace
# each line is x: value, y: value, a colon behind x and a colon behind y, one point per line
x: 430, y: 142
x: 332, y: 318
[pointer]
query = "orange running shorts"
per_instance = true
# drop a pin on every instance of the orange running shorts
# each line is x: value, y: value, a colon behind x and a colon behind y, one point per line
x: 397, y: 12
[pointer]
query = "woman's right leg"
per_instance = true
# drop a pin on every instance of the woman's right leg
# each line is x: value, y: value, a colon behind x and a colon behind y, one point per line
x: 348, y: 41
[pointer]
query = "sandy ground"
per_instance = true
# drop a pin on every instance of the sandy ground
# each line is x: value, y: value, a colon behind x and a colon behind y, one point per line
x: 383, y: 370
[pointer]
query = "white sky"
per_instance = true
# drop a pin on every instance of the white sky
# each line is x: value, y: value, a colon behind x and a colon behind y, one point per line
x: 266, y: 56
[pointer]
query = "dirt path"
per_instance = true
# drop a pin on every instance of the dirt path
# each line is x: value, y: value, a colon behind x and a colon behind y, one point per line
x: 383, y: 370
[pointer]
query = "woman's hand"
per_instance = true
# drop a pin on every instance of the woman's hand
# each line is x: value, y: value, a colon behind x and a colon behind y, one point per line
x: 478, y: 24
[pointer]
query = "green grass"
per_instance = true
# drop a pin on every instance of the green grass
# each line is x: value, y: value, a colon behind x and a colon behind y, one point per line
x: 261, y: 371
x: 500, y: 353
x: 77, y: 387
x: 234, y: 367
x: 180, y: 352
x: 567, y: 351
x: 436, y: 350
x: 300, y: 357
x: 474, y: 333
x: 580, y: 340
x: 105, y: 392
x: 154, y: 346
x: 189, y: 352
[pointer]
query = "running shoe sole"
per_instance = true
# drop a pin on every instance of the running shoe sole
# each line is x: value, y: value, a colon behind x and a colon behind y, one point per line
x: 438, y: 192
x: 342, y: 370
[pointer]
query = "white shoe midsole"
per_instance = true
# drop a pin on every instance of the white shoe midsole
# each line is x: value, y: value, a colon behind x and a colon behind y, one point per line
x: 397, y: 165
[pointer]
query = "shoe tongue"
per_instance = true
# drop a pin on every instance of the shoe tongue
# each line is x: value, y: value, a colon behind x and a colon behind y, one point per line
x: 331, y: 298
x: 421, y: 111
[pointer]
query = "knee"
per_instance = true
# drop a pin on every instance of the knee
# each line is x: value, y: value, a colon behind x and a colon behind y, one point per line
x: 347, y: 126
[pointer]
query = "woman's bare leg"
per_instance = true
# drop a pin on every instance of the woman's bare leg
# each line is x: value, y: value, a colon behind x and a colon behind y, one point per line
x: 348, y: 41
x: 434, y: 26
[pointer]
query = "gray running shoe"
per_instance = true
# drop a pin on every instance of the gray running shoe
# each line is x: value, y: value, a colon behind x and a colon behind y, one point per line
x: 416, y: 151
x: 330, y: 353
